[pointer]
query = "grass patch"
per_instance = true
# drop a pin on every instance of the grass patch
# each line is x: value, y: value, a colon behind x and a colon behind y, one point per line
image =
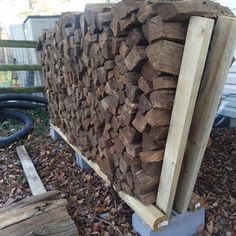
x: 40, y: 118
x: 9, y: 127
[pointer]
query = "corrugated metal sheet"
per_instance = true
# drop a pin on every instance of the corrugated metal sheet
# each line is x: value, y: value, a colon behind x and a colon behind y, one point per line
x: 228, y: 103
x: 30, y: 30
x: 34, y: 26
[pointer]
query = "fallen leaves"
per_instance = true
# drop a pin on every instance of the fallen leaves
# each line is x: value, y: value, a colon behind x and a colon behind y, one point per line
x: 217, y: 183
x: 95, y: 208
x: 91, y: 204
x: 13, y: 185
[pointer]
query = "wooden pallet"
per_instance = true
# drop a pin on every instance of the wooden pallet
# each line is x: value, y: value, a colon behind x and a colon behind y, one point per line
x: 192, y: 118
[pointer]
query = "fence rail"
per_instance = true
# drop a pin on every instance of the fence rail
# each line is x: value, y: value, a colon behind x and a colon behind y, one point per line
x: 32, y: 89
x: 21, y: 67
x: 13, y: 67
x: 18, y: 43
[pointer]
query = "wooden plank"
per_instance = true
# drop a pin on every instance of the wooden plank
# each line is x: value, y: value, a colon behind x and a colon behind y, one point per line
x: 29, y: 226
x: 196, y: 203
x: 217, y: 67
x: 31, y: 200
x: 18, y: 43
x: 20, y: 67
x: 35, y: 183
x: 31, y: 89
x: 196, y: 48
x: 62, y: 227
x: 15, y: 216
x: 151, y: 215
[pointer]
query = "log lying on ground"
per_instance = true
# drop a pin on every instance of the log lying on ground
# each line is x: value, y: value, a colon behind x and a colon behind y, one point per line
x: 111, y: 76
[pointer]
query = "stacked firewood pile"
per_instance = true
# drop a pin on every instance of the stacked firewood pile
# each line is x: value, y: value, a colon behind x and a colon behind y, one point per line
x: 111, y: 75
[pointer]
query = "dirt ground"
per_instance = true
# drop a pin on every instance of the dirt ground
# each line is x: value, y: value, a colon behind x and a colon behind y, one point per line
x: 94, y: 207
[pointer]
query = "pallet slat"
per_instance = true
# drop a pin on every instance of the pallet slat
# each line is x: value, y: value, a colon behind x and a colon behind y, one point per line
x: 35, y: 183
x: 217, y: 66
x: 196, y: 48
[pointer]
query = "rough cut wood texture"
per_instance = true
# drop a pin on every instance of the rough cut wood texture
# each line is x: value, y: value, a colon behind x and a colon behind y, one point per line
x: 39, y: 215
x: 111, y: 76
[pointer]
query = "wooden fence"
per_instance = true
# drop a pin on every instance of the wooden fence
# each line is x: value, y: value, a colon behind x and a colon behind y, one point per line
x: 14, y: 67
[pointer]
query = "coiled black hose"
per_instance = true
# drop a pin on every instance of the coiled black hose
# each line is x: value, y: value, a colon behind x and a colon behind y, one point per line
x: 28, y: 127
x: 10, y: 101
x: 22, y: 97
x: 20, y: 105
x: 221, y: 122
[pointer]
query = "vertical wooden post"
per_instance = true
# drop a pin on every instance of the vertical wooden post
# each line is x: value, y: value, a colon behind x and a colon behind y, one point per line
x: 217, y: 66
x: 194, y: 58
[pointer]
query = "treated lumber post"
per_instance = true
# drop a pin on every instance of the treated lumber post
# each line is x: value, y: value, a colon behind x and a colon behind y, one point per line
x: 196, y: 47
x: 31, y: 89
x: 217, y: 66
x: 18, y: 43
x: 20, y: 67
x: 35, y: 183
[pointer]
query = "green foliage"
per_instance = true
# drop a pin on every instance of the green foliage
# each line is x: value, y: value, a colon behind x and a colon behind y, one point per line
x: 36, y: 7
x: 39, y: 116
x: 5, y: 78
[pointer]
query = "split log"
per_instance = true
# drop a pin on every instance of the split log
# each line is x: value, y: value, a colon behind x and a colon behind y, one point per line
x: 183, y: 10
x: 163, y: 99
x: 145, y: 12
x: 155, y: 29
x: 125, y: 7
x: 165, y: 82
x: 136, y: 58
x: 139, y: 122
x: 148, y: 72
x: 156, y: 117
x: 165, y: 56
x: 152, y: 156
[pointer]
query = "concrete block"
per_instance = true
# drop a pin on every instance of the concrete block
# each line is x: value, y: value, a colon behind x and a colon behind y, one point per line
x: 54, y: 135
x: 185, y: 224
x: 81, y: 163
x: 232, y: 123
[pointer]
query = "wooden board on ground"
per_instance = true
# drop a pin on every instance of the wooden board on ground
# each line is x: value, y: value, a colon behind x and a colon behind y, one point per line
x: 217, y: 66
x: 150, y: 214
x: 35, y: 183
x: 196, y: 47
x: 39, y: 215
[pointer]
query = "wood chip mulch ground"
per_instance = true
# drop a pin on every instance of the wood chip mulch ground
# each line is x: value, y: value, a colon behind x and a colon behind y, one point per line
x: 95, y: 208
x: 217, y: 183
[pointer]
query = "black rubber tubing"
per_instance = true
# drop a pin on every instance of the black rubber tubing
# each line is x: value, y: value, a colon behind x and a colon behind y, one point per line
x: 221, y: 122
x: 20, y: 105
x: 28, y: 126
x: 28, y: 123
x: 22, y: 97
